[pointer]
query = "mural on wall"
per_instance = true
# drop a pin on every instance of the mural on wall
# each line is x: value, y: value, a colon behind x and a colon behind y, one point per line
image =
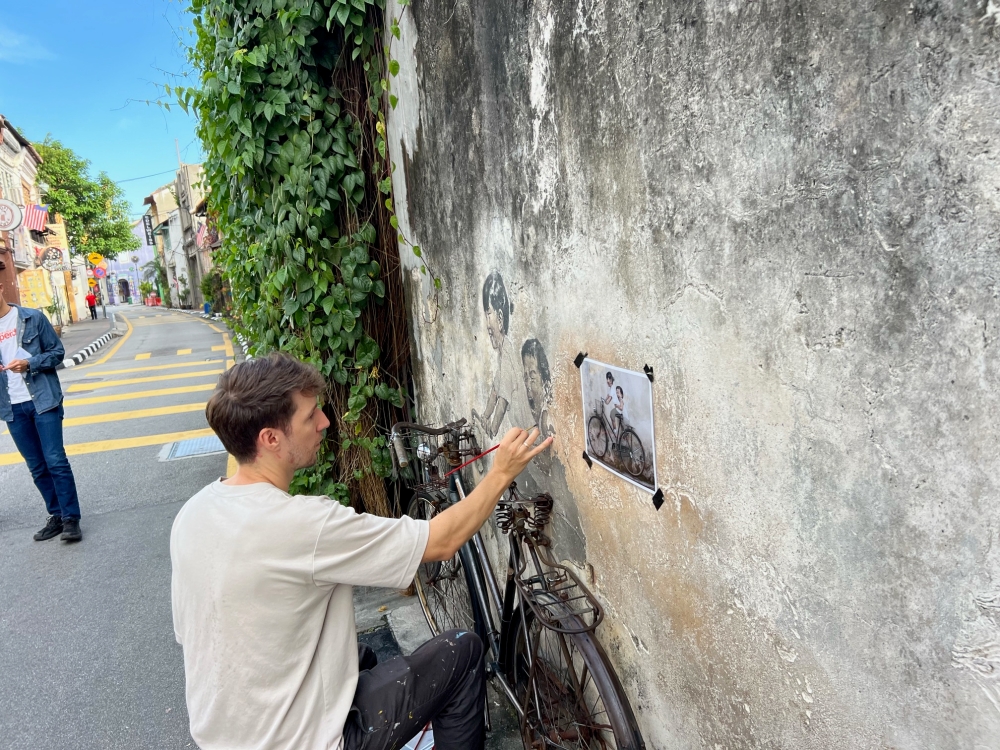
x: 497, y: 308
x: 618, y: 420
x: 538, y: 389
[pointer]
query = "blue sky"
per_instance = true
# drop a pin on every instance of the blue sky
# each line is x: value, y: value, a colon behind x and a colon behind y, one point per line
x: 83, y: 71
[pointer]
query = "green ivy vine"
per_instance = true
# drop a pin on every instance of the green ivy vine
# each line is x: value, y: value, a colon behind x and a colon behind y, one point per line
x: 297, y: 183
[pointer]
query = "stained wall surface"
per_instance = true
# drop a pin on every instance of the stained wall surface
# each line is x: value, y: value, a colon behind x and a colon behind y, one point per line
x: 791, y: 212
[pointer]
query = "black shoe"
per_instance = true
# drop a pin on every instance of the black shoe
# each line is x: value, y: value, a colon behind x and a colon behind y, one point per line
x: 71, y: 530
x: 53, y: 528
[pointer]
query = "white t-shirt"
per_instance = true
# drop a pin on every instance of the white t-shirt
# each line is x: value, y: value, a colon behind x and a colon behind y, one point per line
x: 264, y: 608
x: 16, y: 388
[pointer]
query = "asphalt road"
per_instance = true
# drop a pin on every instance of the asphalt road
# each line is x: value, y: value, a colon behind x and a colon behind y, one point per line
x: 87, y: 652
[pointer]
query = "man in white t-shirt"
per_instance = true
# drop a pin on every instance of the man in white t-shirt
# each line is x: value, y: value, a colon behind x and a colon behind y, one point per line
x: 262, y: 588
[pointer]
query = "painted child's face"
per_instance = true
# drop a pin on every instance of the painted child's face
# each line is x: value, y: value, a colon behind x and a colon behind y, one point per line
x: 610, y: 380
x: 533, y: 384
x: 494, y: 327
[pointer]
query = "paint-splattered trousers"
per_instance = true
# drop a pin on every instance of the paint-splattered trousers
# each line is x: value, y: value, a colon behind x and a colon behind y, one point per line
x: 441, y: 682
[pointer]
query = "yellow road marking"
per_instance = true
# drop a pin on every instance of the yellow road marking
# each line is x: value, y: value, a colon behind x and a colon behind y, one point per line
x: 215, y: 328
x: 143, y: 356
x: 231, y: 467
x: 116, y: 347
x: 157, y: 367
x: 181, y: 352
x: 138, y: 394
x: 230, y: 363
x: 102, y: 446
x: 117, y: 416
x: 219, y: 348
x: 132, y: 381
x: 226, y: 342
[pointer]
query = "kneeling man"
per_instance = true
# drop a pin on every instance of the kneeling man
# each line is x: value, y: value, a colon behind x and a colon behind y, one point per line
x: 262, y: 588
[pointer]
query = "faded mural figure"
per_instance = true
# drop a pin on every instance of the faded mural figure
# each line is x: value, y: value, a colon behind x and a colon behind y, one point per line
x: 538, y: 385
x: 497, y: 307
x: 538, y: 388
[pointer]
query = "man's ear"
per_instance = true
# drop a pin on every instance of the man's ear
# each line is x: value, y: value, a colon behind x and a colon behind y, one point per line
x: 269, y: 439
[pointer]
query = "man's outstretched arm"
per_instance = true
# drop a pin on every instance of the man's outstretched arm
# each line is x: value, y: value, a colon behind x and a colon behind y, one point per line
x: 455, y: 526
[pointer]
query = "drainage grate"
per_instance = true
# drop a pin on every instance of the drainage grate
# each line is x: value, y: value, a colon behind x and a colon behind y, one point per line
x: 202, y: 446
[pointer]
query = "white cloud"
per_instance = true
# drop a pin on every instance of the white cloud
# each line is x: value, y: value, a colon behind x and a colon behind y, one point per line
x: 16, y: 48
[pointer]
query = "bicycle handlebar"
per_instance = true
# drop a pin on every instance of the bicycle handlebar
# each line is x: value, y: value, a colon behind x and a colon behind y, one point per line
x: 401, y: 457
x: 426, y: 429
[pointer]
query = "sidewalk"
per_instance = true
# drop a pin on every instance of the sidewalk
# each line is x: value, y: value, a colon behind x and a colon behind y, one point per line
x: 81, y: 334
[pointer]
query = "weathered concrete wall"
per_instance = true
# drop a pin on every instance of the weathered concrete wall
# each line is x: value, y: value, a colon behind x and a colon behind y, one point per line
x: 791, y: 211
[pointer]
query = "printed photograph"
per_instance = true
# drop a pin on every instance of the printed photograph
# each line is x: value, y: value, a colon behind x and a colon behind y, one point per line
x: 618, y: 421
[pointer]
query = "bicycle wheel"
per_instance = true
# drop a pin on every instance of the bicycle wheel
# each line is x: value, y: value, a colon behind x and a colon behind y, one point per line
x: 573, y: 699
x: 442, y: 587
x: 597, y: 436
x: 632, y: 453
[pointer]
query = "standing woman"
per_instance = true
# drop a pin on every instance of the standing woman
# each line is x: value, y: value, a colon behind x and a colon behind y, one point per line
x: 31, y: 405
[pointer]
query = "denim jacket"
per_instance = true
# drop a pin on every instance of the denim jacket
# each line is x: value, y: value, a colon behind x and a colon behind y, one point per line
x: 37, y: 337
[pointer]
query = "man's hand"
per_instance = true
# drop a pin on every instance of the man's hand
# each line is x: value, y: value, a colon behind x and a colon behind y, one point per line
x: 16, y: 365
x: 516, y: 449
x: 454, y: 526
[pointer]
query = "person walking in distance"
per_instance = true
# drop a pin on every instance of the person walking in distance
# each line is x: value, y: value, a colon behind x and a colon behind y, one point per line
x: 31, y: 405
x: 262, y: 588
x: 92, y: 304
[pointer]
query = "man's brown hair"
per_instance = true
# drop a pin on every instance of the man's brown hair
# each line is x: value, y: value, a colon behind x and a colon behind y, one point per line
x: 256, y: 394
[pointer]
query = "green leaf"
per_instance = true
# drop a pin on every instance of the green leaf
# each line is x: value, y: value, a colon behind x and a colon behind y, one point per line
x: 395, y: 223
x: 417, y: 251
x: 393, y: 100
x: 394, y: 67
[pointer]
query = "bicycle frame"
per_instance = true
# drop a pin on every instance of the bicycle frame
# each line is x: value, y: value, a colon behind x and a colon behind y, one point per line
x: 476, y: 560
x: 539, y: 595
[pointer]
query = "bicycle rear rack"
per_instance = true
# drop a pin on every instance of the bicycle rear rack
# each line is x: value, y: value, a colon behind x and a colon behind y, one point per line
x: 556, y: 596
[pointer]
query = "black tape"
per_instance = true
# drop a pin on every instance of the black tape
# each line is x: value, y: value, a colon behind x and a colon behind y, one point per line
x: 649, y: 372
x: 579, y: 359
x: 590, y: 464
x: 658, y: 498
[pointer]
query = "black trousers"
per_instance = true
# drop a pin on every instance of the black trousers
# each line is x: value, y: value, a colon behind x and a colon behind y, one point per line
x: 442, y: 681
x: 93, y: 312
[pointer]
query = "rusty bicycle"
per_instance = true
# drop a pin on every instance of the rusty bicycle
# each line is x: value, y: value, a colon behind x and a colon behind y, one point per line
x: 542, y: 651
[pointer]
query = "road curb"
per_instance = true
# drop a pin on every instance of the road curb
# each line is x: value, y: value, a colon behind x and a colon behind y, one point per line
x: 88, y: 350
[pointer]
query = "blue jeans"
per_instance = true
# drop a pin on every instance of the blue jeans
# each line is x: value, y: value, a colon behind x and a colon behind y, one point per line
x: 39, y: 438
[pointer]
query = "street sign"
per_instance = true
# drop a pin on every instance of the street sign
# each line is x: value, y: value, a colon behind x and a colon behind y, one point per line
x: 99, y: 273
x: 90, y: 272
x: 147, y: 224
x: 95, y: 258
x: 91, y: 283
x: 103, y: 264
x: 10, y: 215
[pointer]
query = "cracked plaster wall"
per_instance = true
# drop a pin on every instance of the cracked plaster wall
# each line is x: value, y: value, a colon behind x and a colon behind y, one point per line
x: 791, y: 211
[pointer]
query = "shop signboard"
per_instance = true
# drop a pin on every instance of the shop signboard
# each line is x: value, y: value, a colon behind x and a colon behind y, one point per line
x: 10, y: 215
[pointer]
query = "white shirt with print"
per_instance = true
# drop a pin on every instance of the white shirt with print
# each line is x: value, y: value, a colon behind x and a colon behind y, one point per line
x: 8, y: 353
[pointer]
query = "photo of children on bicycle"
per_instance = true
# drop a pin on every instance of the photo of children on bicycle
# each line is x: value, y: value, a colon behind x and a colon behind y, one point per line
x: 618, y: 421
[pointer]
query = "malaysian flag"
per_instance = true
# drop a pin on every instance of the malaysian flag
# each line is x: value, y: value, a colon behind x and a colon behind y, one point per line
x: 36, y: 217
